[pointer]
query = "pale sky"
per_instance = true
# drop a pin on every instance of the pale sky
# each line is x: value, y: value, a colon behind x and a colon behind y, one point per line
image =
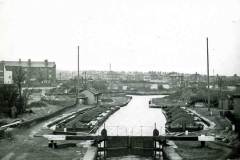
x: 132, y: 35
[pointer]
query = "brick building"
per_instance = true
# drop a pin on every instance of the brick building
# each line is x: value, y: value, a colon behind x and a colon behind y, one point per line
x: 5, y: 76
x: 37, y: 73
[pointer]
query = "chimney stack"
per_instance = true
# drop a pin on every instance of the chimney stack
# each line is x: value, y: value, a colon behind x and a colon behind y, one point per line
x: 29, y: 62
x: 46, y: 62
x: 20, y: 61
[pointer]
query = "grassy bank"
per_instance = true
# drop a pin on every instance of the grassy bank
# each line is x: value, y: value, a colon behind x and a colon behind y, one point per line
x: 219, y: 150
x: 41, y: 108
x: 226, y: 138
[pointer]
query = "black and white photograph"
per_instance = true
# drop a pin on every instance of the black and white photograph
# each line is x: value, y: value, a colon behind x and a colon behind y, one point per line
x: 119, y: 79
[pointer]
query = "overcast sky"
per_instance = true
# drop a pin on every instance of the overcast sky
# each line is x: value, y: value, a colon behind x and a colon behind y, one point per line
x: 132, y: 35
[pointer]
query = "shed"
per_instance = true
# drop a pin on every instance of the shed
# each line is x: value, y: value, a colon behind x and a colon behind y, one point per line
x: 226, y: 103
x: 82, y: 99
x: 90, y: 96
x: 236, y: 106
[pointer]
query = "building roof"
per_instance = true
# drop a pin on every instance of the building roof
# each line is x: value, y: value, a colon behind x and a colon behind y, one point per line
x: 232, y: 96
x: 82, y: 96
x: 92, y: 90
x: 32, y: 63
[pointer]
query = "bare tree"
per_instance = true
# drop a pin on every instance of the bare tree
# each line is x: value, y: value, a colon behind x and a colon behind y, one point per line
x: 18, y: 78
x: 25, y: 96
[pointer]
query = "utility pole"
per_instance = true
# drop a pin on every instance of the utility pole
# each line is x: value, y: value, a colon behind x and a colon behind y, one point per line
x: 110, y: 75
x: 196, y: 79
x: 208, y: 77
x: 85, y: 79
x: 60, y: 76
x: 220, y: 83
x: 78, y: 75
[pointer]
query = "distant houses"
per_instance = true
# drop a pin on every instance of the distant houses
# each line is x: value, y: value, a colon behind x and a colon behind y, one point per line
x: 154, y: 87
x: 5, y: 75
x: 36, y: 73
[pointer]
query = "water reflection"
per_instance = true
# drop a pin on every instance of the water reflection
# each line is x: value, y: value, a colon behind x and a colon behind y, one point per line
x: 136, y: 119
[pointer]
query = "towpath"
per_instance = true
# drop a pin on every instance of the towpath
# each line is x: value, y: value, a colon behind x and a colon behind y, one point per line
x: 24, y: 146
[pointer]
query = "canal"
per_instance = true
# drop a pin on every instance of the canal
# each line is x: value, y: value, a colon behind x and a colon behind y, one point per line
x: 136, y: 119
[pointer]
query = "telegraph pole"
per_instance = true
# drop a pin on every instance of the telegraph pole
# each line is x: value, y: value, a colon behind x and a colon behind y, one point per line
x: 110, y: 75
x: 78, y: 75
x: 85, y: 80
x: 220, y: 83
x: 208, y: 77
x: 60, y: 76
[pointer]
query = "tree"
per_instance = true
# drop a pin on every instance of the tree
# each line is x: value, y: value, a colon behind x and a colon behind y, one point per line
x: 25, y: 97
x: 100, y: 85
x: 18, y: 78
x: 8, y: 98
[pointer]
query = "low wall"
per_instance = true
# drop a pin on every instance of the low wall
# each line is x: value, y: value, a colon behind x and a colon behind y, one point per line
x: 130, y: 98
x: 46, y: 117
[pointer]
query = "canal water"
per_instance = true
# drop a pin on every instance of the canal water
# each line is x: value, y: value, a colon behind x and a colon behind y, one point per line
x: 136, y: 119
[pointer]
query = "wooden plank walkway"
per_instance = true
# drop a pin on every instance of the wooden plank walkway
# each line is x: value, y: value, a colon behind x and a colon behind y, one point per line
x: 157, y: 138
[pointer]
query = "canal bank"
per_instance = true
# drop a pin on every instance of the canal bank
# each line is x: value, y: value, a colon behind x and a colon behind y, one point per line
x: 215, y: 126
x: 90, y: 120
x: 135, y: 119
x: 102, y: 120
x: 134, y: 112
x: 27, y: 142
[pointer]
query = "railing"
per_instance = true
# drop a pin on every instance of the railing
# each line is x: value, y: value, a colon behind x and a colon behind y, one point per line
x: 130, y: 131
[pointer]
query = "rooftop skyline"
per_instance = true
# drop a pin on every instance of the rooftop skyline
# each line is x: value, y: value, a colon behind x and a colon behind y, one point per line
x: 133, y: 35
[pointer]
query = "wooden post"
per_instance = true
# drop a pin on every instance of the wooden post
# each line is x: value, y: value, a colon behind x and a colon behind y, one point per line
x: 52, y: 144
x: 208, y: 77
x: 203, y: 143
x: 154, y: 147
x: 78, y: 77
x: 100, y: 153
x: 155, y: 134
x: 85, y: 80
x: 104, y: 135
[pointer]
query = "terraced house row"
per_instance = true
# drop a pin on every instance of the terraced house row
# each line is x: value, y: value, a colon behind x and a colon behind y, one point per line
x: 36, y: 73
